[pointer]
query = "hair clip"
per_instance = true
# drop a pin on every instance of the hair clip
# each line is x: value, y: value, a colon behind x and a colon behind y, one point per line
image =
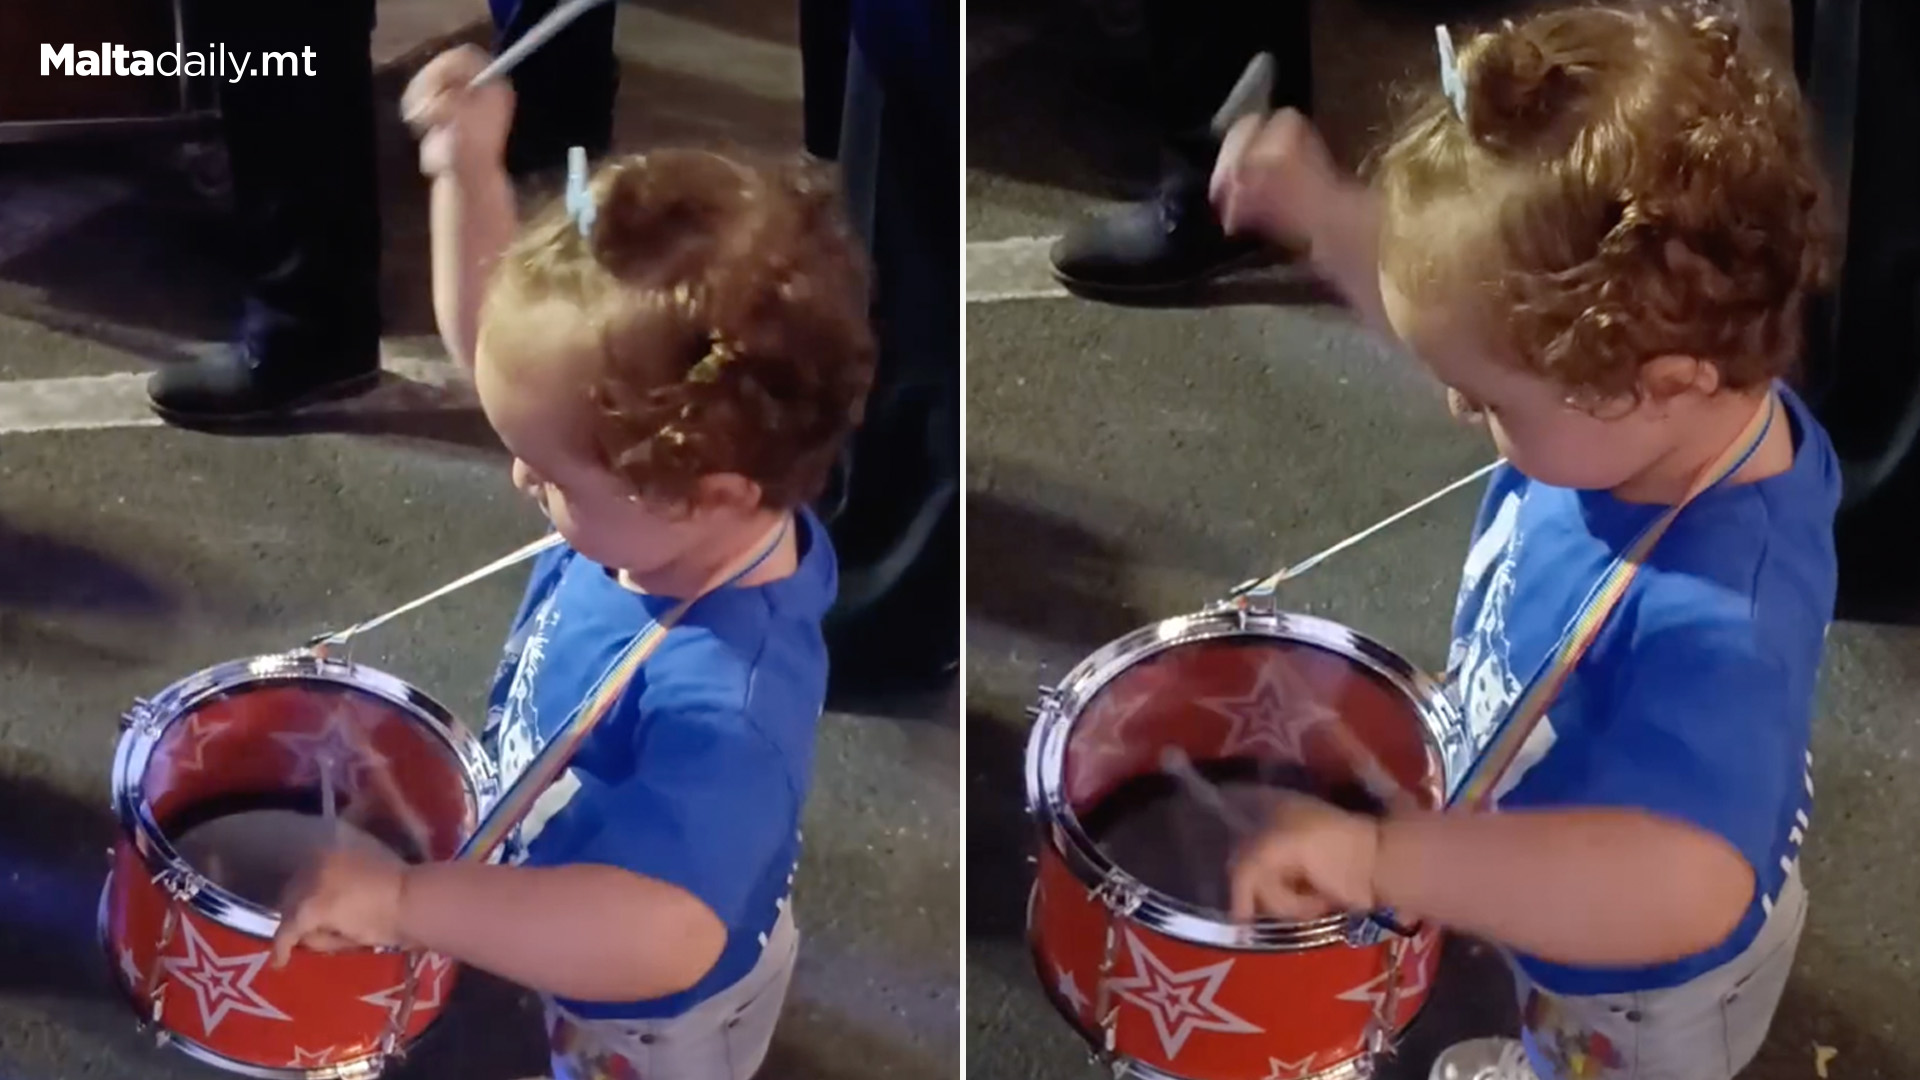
x: 1451, y: 84
x: 579, y: 200
x: 708, y: 369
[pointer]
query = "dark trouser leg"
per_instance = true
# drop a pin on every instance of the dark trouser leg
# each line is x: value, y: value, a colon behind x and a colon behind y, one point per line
x: 825, y: 26
x: 564, y: 92
x: 1198, y: 53
x: 897, y: 530
x: 1863, y: 352
x: 305, y: 186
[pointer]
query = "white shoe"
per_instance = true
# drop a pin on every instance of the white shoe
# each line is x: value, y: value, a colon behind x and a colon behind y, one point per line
x: 1483, y: 1059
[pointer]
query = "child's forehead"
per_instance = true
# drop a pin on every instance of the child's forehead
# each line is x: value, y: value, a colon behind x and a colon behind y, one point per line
x: 536, y: 334
x: 1453, y: 335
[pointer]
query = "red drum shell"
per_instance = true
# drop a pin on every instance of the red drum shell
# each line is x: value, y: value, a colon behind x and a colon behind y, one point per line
x: 259, y: 728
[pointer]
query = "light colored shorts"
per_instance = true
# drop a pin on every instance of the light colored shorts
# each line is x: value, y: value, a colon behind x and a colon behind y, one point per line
x: 723, y: 1038
x: 1707, y: 1029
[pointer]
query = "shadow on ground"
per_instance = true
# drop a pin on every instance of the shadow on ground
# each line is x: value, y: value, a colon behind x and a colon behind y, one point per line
x: 42, y: 573
x: 1052, y: 575
x: 999, y: 833
x: 50, y: 878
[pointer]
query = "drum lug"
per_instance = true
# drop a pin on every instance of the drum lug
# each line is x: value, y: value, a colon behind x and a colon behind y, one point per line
x: 1047, y: 700
x: 1363, y: 932
x: 182, y: 885
x: 1257, y: 602
x: 141, y: 717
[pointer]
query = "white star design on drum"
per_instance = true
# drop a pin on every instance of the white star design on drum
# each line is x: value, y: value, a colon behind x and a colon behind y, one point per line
x: 342, y: 741
x: 430, y: 988
x: 221, y: 985
x: 312, y: 1057
x: 1069, y: 990
x: 1374, y: 991
x: 135, y: 981
x: 188, y: 755
x: 1289, y: 1070
x: 1180, y: 1003
x: 1274, y: 714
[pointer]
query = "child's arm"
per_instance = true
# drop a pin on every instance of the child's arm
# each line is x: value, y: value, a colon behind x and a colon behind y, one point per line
x: 1582, y: 887
x: 587, y: 931
x: 473, y: 219
x: 592, y: 933
x: 1276, y: 179
x: 463, y: 136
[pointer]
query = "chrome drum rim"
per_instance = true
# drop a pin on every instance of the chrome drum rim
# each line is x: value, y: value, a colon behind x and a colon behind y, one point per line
x: 149, y: 720
x: 1441, y: 732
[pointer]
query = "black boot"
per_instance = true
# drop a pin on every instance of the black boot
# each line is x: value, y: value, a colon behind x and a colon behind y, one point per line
x: 1170, y: 242
x: 234, y: 387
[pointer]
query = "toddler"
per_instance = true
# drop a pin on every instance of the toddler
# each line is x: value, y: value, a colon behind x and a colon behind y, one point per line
x: 674, y: 360
x: 1599, y: 232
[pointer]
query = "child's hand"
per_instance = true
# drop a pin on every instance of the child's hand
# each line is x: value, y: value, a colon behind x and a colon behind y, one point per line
x: 460, y: 128
x: 1273, y: 177
x: 350, y: 897
x: 1313, y: 859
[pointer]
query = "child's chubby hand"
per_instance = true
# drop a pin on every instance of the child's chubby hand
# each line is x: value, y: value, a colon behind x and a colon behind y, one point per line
x: 349, y: 897
x: 462, y: 129
x: 1313, y: 859
x: 1273, y: 178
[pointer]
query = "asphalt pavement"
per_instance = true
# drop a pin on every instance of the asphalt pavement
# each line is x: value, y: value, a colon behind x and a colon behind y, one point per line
x: 133, y: 555
x: 1127, y: 464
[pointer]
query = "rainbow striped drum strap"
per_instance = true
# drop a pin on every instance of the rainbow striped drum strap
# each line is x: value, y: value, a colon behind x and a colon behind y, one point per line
x: 525, y: 790
x: 1483, y: 777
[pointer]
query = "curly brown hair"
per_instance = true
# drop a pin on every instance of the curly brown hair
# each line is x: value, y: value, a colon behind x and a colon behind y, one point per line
x: 1627, y: 181
x: 729, y: 302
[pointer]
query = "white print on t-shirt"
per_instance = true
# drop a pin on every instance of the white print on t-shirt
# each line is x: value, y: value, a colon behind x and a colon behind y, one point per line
x: 519, y: 719
x: 551, y: 801
x: 1480, y: 672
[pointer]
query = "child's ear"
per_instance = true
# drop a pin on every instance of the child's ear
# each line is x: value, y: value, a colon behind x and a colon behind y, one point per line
x: 728, y: 492
x: 1667, y: 377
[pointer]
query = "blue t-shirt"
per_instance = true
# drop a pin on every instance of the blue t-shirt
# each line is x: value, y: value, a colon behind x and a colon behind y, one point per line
x: 698, y: 774
x: 1695, y: 701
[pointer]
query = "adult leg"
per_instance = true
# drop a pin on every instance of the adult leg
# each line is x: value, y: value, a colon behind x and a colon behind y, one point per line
x: 1197, y: 53
x: 565, y: 90
x: 305, y: 186
x: 895, y: 521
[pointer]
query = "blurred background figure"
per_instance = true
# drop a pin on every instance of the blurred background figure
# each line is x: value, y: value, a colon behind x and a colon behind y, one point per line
x: 1195, y: 52
x: 304, y: 177
x: 564, y: 92
x: 883, y: 100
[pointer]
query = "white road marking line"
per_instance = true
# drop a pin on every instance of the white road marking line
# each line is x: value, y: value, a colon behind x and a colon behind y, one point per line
x: 107, y: 402
x: 1017, y: 268
x: 689, y: 47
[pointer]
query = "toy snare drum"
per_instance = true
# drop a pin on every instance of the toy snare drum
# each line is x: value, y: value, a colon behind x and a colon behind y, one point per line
x: 185, y: 917
x: 1147, y: 966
